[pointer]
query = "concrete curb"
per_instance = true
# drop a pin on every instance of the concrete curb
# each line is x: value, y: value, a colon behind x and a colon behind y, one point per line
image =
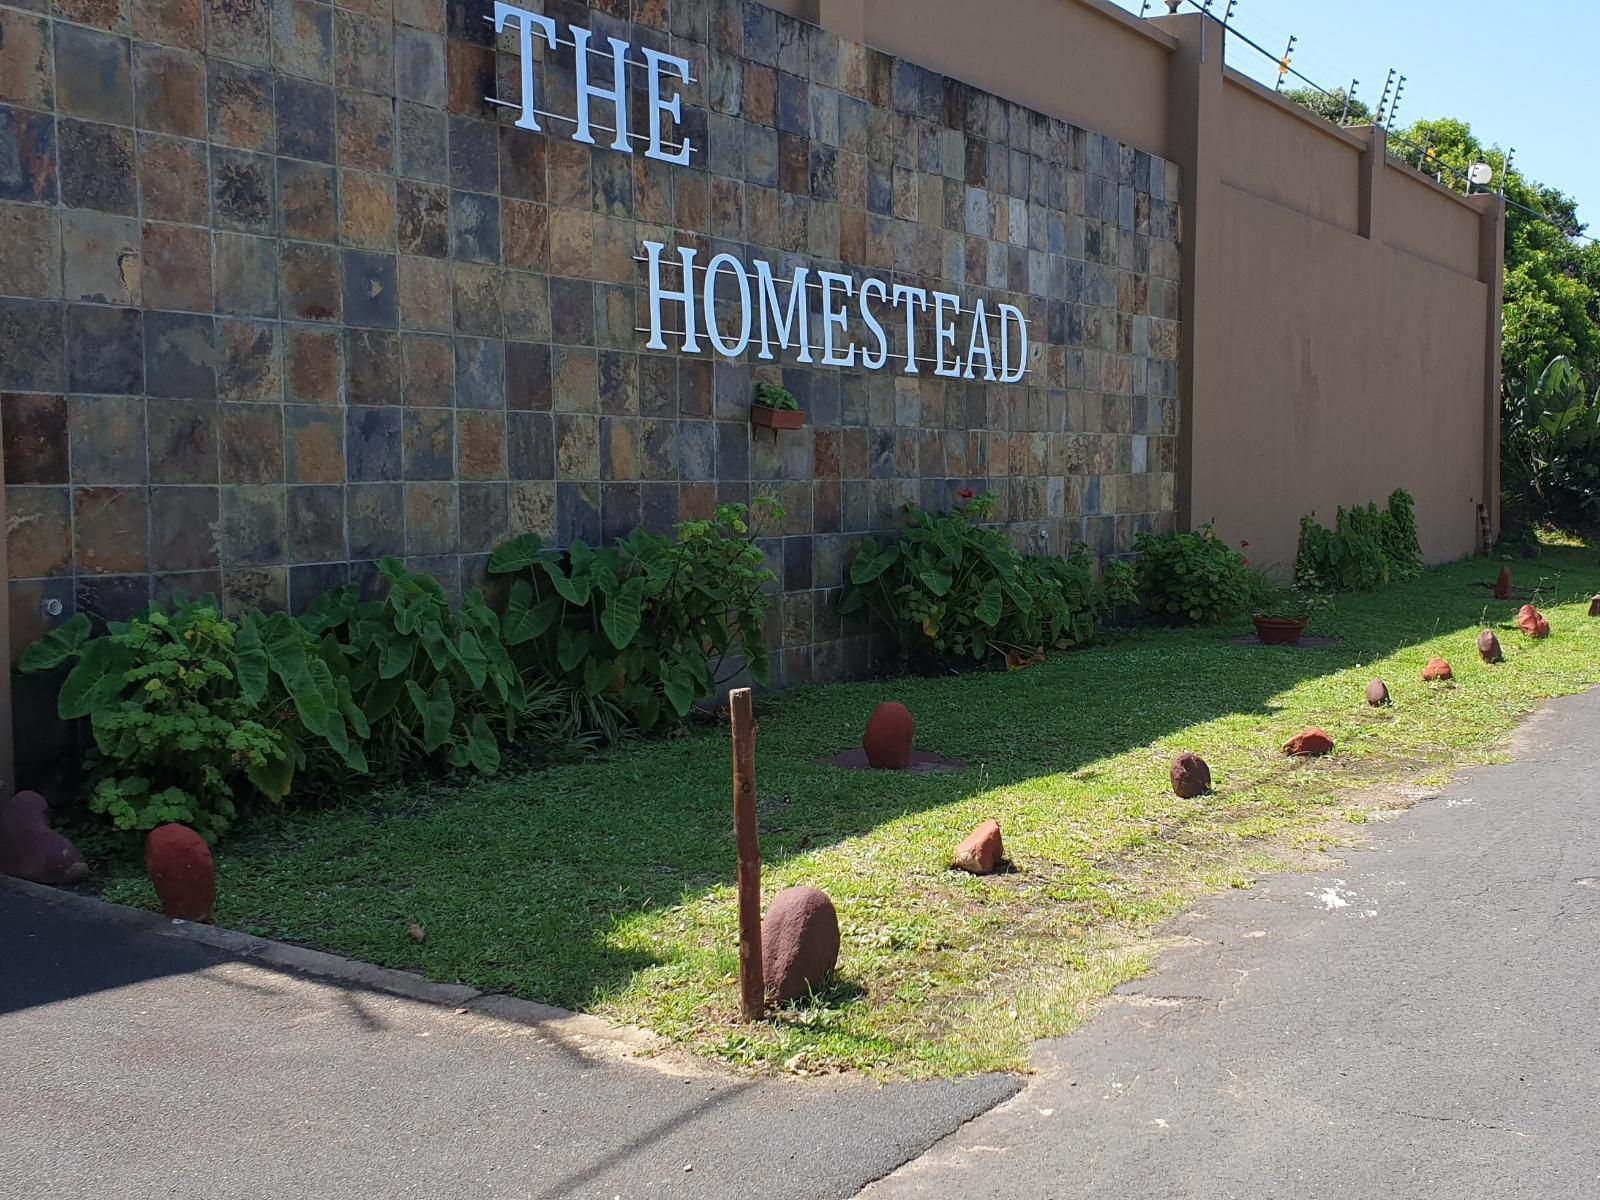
x: 570, y: 1028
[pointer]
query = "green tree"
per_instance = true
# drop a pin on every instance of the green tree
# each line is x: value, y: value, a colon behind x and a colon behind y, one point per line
x: 1331, y: 106
x: 1552, y: 283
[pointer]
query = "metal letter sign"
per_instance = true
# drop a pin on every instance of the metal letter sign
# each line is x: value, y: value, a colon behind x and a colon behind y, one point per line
x: 735, y: 306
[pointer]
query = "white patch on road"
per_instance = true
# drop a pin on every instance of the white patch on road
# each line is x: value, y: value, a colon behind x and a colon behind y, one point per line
x: 1335, y: 897
x: 1457, y: 801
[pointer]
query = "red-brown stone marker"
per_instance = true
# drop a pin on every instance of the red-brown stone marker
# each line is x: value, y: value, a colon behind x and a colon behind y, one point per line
x: 799, y: 943
x: 179, y: 864
x: 30, y: 849
x: 1377, y: 693
x: 1594, y: 606
x: 1532, y: 622
x: 1308, y: 742
x: 1436, y: 671
x: 1489, y: 647
x: 982, y: 852
x: 889, y: 735
x: 1502, y: 586
x: 1190, y: 775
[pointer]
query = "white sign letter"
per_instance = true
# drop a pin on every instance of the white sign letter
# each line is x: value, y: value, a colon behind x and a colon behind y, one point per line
x: 725, y: 348
x: 1007, y: 374
x: 617, y: 93
x: 655, y: 60
x: 835, y: 319
x: 527, y: 22
x: 691, y: 344
x: 978, y: 344
x: 793, y: 321
x: 869, y: 288
x: 912, y: 298
x: 945, y: 309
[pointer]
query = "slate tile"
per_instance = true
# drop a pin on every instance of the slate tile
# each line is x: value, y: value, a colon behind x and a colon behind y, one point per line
x: 35, y: 433
x: 304, y: 117
x: 100, y: 257
x: 173, y: 178
x: 105, y: 350
x: 182, y: 443
x: 180, y: 356
x: 176, y: 267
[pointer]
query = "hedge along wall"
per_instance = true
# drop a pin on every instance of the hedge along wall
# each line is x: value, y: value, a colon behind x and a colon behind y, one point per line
x: 283, y: 293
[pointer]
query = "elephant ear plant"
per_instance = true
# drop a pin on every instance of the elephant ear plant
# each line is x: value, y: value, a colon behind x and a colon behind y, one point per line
x: 652, y: 623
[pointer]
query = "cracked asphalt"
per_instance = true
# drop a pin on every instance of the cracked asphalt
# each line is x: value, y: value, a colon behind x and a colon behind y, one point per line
x: 1418, y: 1023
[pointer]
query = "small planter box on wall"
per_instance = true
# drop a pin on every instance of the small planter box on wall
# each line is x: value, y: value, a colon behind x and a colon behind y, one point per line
x: 763, y: 417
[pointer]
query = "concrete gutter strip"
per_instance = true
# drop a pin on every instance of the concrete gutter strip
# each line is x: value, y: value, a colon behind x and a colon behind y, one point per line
x: 570, y: 1028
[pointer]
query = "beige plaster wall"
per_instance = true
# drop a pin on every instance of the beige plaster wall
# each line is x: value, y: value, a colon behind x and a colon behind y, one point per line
x: 1273, y: 153
x: 1421, y: 218
x: 1357, y: 370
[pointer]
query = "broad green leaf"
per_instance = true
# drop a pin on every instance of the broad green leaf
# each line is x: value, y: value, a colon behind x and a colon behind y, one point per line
x: 678, y: 688
x: 525, y: 620
x: 97, y: 680
x: 518, y: 554
x: 252, y: 670
x: 597, y: 675
x: 575, y: 590
x: 623, y: 613
x: 991, y: 604
x: 274, y: 777
x: 935, y: 580
x: 57, y: 646
x: 469, y: 652
x: 395, y: 657
x: 571, y: 648
x: 437, y: 709
x: 872, y: 562
x: 483, y: 752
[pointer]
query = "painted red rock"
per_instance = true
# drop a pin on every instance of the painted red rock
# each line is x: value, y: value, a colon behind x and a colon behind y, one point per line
x: 1489, y: 647
x: 799, y: 943
x: 1502, y: 586
x: 1311, y: 741
x: 1594, y: 606
x: 1436, y: 671
x: 179, y: 864
x: 982, y: 852
x: 1191, y: 776
x: 889, y: 735
x: 1377, y: 693
x: 30, y: 849
x: 1532, y: 622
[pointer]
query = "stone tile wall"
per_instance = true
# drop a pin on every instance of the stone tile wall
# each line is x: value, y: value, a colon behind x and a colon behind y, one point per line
x: 280, y: 293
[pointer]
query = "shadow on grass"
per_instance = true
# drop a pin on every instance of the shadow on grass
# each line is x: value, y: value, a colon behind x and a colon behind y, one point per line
x: 548, y: 885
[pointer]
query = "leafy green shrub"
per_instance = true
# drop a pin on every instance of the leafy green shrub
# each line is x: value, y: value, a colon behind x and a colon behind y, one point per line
x: 1119, y: 584
x: 952, y: 588
x: 1400, y: 543
x: 389, y: 687
x: 1191, y: 576
x: 174, y: 706
x: 185, y: 708
x: 1363, y: 551
x: 648, y: 623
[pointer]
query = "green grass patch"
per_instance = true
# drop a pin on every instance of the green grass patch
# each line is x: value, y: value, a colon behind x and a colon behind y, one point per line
x: 608, y: 886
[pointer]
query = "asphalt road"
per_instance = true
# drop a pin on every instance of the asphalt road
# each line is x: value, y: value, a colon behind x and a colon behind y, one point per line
x: 137, y: 1065
x: 1419, y: 1023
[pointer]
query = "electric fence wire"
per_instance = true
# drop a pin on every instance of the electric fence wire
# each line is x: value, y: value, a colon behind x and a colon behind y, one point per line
x: 1241, y: 36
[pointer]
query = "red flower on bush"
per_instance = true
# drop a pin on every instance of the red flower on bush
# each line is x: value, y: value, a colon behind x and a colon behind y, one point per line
x: 966, y: 493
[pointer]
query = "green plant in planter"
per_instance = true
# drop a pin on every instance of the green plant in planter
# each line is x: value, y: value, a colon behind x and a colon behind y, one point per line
x: 775, y: 396
x: 1290, y: 604
x: 1192, y: 576
x: 648, y: 624
x: 953, y: 588
x: 173, y: 701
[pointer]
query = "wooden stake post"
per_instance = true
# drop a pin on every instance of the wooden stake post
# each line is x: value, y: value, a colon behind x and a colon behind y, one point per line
x: 752, y: 989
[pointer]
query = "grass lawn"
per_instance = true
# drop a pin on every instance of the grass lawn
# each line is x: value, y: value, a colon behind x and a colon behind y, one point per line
x: 607, y: 886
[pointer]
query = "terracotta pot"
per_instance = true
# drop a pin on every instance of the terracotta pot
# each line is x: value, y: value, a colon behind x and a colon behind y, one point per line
x: 1280, y: 631
x: 777, y: 418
